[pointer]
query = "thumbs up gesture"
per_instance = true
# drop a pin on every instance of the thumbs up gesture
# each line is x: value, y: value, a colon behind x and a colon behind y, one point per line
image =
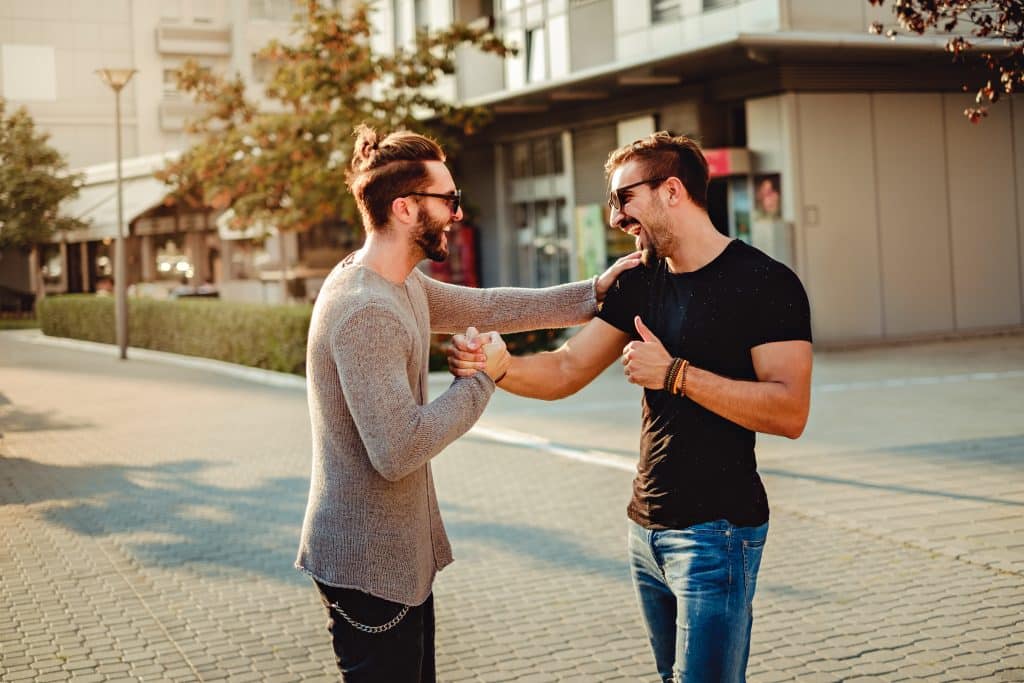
x: 646, y: 362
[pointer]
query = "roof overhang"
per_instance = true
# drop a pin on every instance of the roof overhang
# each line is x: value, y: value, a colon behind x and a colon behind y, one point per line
x: 723, y: 56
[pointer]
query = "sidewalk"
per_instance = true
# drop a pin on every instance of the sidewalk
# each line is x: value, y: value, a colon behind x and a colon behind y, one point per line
x: 150, y: 515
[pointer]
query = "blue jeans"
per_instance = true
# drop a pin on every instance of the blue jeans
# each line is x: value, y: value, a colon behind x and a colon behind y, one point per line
x: 695, y: 587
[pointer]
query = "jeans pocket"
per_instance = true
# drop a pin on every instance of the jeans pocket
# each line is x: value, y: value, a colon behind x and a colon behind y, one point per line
x: 751, y: 564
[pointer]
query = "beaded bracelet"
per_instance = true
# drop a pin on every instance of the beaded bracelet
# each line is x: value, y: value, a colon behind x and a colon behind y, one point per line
x: 672, y: 373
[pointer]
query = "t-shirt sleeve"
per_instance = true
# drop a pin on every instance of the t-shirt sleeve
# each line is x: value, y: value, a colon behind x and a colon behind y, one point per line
x: 783, y: 311
x: 624, y: 300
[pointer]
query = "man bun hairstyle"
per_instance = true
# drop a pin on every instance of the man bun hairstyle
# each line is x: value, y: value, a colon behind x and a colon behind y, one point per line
x: 664, y: 155
x: 384, y: 168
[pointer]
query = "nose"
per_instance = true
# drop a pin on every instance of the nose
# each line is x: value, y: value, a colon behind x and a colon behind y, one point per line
x: 615, y: 217
x: 458, y: 215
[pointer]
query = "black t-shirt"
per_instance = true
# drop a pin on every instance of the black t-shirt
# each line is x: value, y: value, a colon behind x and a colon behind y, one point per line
x: 696, y: 466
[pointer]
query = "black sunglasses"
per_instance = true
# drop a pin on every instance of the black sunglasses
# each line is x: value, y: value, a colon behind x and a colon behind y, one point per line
x: 455, y: 198
x: 616, y: 198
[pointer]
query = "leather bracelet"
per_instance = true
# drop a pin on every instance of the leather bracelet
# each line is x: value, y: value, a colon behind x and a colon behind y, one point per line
x: 682, y: 379
x: 671, y: 373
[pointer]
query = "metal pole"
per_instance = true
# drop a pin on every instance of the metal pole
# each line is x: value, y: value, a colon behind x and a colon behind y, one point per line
x: 120, y: 269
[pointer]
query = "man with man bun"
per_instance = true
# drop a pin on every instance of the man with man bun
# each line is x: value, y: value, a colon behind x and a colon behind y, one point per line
x: 372, y: 538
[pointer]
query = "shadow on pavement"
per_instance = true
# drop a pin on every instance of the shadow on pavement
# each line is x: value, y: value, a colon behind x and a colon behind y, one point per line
x: 553, y: 547
x: 168, y: 515
x: 27, y: 421
x: 991, y: 454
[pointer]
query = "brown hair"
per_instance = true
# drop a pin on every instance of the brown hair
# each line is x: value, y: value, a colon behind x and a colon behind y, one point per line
x: 664, y: 155
x: 383, y: 169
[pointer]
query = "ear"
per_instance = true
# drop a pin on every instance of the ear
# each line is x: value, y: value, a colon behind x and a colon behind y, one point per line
x: 677, y: 193
x: 404, y: 210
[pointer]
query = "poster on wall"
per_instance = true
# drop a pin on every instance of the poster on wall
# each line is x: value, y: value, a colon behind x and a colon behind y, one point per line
x: 767, y: 197
x: 591, y: 248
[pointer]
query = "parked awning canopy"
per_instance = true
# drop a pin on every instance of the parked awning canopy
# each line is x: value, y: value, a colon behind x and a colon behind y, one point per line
x: 97, y: 205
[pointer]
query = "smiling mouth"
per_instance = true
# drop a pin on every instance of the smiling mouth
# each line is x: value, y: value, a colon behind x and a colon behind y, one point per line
x: 632, y: 228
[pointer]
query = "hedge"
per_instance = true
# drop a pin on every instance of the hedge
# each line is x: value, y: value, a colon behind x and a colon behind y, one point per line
x: 257, y: 335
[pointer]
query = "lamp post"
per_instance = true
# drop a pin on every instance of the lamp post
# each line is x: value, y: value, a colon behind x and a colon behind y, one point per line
x: 117, y: 79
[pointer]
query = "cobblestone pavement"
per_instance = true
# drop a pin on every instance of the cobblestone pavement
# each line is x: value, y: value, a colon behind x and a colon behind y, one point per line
x: 149, y: 517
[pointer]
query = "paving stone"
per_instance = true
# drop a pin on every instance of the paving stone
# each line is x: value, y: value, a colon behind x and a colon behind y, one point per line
x: 134, y: 548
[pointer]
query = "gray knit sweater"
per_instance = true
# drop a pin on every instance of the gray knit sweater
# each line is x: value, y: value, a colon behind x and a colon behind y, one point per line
x: 372, y: 521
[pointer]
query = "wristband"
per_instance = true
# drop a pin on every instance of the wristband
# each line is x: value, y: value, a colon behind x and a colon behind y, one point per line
x: 671, y: 373
x: 682, y: 379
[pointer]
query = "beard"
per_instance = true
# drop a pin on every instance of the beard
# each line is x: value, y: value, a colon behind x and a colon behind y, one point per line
x: 649, y: 256
x: 430, y: 238
x: 659, y: 242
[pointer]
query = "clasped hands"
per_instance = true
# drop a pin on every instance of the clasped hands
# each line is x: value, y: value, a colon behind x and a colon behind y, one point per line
x: 475, y: 351
x: 644, y: 362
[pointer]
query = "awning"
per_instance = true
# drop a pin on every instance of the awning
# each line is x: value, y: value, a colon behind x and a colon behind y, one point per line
x: 97, y: 205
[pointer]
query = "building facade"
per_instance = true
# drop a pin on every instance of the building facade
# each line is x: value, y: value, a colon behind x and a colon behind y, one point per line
x: 50, y: 51
x: 842, y: 154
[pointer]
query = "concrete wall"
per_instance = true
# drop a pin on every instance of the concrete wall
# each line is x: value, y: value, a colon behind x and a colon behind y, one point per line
x: 83, y: 37
x: 476, y: 175
x: 591, y: 35
x: 840, y: 17
x: 590, y: 149
x: 636, y: 37
x: 907, y: 224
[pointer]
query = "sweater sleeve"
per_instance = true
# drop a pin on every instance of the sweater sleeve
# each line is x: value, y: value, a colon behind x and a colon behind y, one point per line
x: 508, y: 309
x: 372, y: 349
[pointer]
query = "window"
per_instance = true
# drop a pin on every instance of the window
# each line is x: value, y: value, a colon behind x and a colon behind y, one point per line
x: 421, y: 14
x: 538, y: 211
x: 403, y: 16
x: 666, y: 10
x: 170, y: 81
x: 171, y: 261
x: 261, y: 69
x: 52, y: 261
x: 536, y: 55
x: 540, y: 28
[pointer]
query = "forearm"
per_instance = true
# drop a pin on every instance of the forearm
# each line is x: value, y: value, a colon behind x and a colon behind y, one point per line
x: 509, y: 309
x: 410, y: 435
x: 761, y: 406
x: 541, y: 375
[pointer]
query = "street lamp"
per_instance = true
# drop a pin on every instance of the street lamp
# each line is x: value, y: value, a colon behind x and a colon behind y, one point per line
x: 117, y: 79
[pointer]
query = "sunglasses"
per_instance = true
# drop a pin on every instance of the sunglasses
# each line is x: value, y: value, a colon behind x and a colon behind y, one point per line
x: 616, y: 198
x: 455, y: 198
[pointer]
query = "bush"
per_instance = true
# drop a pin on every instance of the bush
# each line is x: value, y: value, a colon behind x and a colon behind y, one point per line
x: 17, y: 321
x: 257, y: 335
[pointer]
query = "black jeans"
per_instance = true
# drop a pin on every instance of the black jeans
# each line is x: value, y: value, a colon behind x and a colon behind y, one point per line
x: 401, y: 654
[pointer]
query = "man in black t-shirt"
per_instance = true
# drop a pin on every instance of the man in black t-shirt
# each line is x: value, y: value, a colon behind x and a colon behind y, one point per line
x: 718, y: 334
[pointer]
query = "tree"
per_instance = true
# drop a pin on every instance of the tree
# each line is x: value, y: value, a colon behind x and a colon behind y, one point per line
x: 284, y: 166
x: 33, y: 183
x: 992, y: 21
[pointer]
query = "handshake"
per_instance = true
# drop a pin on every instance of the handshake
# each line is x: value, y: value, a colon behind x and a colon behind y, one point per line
x: 475, y: 351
